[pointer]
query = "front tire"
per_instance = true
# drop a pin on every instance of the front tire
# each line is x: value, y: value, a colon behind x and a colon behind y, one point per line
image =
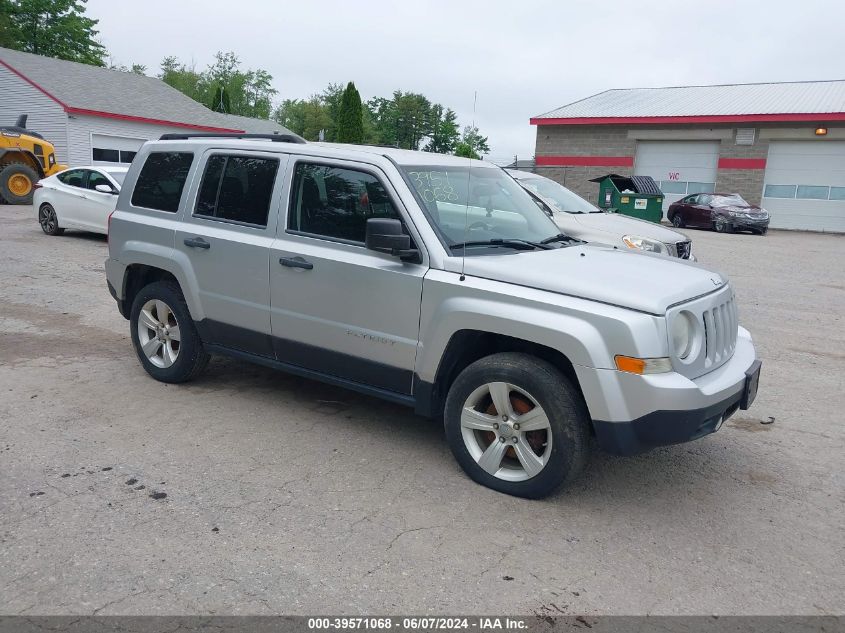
x: 517, y: 425
x: 720, y: 225
x: 163, y: 334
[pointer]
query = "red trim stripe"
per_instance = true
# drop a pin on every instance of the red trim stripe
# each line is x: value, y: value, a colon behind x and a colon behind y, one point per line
x: 112, y: 115
x: 742, y: 163
x: 141, y: 119
x: 817, y: 117
x: 32, y: 83
x: 585, y: 161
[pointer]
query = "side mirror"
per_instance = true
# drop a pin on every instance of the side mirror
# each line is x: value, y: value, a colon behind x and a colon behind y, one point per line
x: 387, y: 235
x: 105, y: 189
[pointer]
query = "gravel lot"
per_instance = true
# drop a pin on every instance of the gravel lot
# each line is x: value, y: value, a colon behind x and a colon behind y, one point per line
x: 289, y: 496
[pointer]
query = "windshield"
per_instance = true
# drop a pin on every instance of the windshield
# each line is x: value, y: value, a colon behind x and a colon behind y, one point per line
x: 478, y: 204
x: 117, y: 175
x: 733, y: 200
x: 561, y: 198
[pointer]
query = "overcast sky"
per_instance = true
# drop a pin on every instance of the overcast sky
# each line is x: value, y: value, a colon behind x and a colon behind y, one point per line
x: 523, y: 57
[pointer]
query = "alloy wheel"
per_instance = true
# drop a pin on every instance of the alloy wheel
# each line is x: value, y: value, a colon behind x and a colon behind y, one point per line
x: 506, y: 431
x: 47, y: 219
x: 158, y: 333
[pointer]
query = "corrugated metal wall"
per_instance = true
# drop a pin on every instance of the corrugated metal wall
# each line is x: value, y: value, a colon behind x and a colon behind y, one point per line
x: 80, y: 129
x: 45, y: 115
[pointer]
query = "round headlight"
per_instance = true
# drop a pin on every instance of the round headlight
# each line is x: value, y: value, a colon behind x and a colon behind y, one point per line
x: 681, y: 332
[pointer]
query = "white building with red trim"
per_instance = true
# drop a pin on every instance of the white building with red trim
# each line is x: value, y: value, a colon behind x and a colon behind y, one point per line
x: 779, y: 144
x: 100, y: 116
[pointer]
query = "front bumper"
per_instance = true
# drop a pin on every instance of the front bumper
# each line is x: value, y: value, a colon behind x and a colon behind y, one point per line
x: 749, y: 223
x: 633, y: 413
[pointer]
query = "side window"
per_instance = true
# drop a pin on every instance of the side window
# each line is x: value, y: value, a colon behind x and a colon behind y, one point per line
x: 237, y: 188
x: 96, y: 178
x: 72, y: 177
x: 336, y: 202
x: 161, y: 181
x: 692, y: 199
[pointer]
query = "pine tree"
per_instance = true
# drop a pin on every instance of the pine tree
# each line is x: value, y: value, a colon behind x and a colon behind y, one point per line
x: 220, y: 102
x: 350, y: 118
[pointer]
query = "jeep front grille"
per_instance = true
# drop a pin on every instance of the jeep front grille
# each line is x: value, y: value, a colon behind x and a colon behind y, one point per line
x: 720, y: 329
x: 716, y: 324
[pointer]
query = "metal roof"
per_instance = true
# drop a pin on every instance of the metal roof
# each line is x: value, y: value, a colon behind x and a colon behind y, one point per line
x: 746, y: 101
x: 85, y: 89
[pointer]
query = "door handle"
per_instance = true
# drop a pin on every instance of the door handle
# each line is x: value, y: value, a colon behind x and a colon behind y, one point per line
x: 295, y: 262
x: 197, y: 242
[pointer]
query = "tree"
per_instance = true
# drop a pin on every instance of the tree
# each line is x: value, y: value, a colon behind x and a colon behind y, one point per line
x: 244, y: 92
x: 54, y: 28
x: 444, y: 130
x: 350, y: 118
x: 220, y: 102
x: 472, y: 144
x: 137, y: 69
x: 304, y: 117
x: 7, y: 39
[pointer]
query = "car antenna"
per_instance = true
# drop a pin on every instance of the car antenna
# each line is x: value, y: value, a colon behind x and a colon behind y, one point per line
x: 469, y: 190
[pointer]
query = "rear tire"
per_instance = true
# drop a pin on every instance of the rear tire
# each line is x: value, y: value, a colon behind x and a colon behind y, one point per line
x: 163, y: 334
x: 48, y: 220
x: 17, y: 183
x: 498, y: 449
x: 677, y: 221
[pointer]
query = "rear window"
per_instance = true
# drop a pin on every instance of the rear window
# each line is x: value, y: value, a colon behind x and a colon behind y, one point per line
x: 162, y: 180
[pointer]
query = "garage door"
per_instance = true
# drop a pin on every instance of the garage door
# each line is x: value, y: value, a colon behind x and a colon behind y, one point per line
x: 805, y: 185
x: 679, y: 167
x: 113, y: 150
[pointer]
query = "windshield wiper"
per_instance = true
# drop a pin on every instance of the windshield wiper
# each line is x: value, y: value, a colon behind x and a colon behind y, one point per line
x: 520, y: 245
x: 560, y: 237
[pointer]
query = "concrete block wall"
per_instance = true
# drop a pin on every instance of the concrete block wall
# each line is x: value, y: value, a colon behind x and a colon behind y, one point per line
x: 746, y: 182
x: 587, y: 141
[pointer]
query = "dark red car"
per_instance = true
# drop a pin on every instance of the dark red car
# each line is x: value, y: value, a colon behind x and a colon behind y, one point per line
x: 723, y: 212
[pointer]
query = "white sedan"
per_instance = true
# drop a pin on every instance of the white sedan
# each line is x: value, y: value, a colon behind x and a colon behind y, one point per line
x: 80, y: 198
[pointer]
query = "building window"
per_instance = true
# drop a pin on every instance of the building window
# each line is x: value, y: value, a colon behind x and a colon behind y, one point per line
x: 837, y: 193
x: 812, y: 192
x: 106, y: 155
x: 701, y: 187
x: 673, y: 186
x: 779, y: 191
x: 112, y: 155
x: 161, y: 181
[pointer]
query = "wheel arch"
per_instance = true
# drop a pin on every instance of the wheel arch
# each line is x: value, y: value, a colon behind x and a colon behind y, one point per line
x: 139, y: 274
x: 25, y: 157
x: 466, y: 347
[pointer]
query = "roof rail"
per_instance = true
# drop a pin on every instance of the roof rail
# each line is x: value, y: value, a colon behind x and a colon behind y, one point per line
x: 279, y: 138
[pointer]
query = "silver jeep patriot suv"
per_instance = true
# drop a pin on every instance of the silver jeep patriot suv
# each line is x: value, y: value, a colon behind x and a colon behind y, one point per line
x: 431, y: 281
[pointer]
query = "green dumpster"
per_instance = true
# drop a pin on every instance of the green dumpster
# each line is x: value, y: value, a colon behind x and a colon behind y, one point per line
x: 637, y: 196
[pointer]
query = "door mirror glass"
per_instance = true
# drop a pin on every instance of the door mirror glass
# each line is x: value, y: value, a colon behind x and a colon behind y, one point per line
x: 105, y: 189
x: 387, y: 235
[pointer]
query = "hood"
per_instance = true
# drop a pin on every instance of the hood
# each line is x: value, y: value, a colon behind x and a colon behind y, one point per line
x: 640, y: 281
x: 620, y: 225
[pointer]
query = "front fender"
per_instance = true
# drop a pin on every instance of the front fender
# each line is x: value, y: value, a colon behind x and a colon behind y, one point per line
x: 586, y: 332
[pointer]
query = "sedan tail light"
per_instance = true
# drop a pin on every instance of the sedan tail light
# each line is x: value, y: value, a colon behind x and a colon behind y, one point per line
x: 37, y: 185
